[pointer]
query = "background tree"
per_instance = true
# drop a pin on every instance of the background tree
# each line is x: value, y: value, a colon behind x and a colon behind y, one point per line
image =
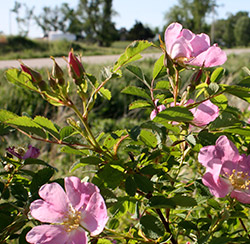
x: 191, y: 14
x: 96, y: 16
x: 24, y: 15
x: 140, y: 32
x: 242, y: 30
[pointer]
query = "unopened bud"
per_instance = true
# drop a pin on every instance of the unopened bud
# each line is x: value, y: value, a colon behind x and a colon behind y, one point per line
x: 76, y: 69
x: 57, y: 73
x: 35, y: 76
x: 52, y: 83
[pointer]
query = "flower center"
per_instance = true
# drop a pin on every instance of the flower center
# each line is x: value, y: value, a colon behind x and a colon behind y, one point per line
x: 239, y: 180
x: 72, y: 221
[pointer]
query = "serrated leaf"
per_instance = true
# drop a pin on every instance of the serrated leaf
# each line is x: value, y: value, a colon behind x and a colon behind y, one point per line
x: 225, y: 119
x: 217, y: 74
x: 130, y: 186
x: 30, y: 161
x: 7, y: 115
x: 179, y: 114
x: 161, y: 202
x: 148, y: 138
x: 132, y: 53
x: 184, y: 201
x: 245, y: 82
x: 105, y: 93
x: 162, y: 84
x: 143, y: 183
x: 27, y: 124
x: 220, y: 101
x: 20, y: 78
x: 90, y: 160
x: 135, y: 132
x: 139, y: 74
x: 152, y: 227
x: 40, y: 178
x: 66, y: 131
x: 136, y: 91
x: 48, y: 125
x: 139, y: 104
x: 238, y: 91
x: 159, y: 69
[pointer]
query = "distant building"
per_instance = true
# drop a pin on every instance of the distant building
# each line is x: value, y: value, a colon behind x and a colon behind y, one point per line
x: 58, y: 35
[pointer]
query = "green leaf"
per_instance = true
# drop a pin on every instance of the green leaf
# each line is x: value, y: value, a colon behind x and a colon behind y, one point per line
x: 40, y: 178
x: 184, y: 201
x: 136, y: 91
x: 159, y: 69
x: 22, y: 238
x: 162, y: 85
x: 48, y: 125
x: 161, y: 202
x: 66, y: 132
x: 7, y: 115
x: 130, y: 186
x: 191, y: 140
x: 90, y: 160
x: 148, y: 138
x: 217, y: 74
x: 238, y: 91
x: 152, y: 226
x: 135, y: 132
x: 225, y: 119
x: 220, y: 101
x: 6, y: 193
x: 70, y: 150
x: 132, y: 53
x: 238, y: 130
x: 179, y: 114
x: 139, y: 104
x: 28, y: 125
x: 105, y: 93
x: 139, y: 74
x: 33, y: 161
x: 245, y: 82
x: 207, y: 138
x: 105, y: 174
x: 188, y: 225
x: 19, y: 192
x: 143, y: 183
x: 113, y: 224
x: 20, y: 78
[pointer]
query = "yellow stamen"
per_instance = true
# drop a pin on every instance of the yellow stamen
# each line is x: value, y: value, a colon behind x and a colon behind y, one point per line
x: 239, y: 180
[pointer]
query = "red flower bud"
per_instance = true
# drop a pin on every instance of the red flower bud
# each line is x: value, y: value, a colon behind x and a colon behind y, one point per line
x: 35, y: 76
x: 75, y: 66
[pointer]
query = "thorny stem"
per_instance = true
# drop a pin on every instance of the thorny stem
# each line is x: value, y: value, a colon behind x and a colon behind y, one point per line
x: 166, y: 225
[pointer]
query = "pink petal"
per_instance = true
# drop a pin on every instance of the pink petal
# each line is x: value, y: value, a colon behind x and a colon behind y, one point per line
x: 171, y: 34
x: 213, y: 56
x: 78, y: 236
x: 206, y: 155
x: 205, y: 113
x: 200, y: 43
x: 47, y: 234
x: 243, y: 197
x: 180, y: 49
x: 79, y: 192
x: 153, y: 114
x: 94, y: 218
x: 217, y: 186
x: 227, y: 151
x: 46, y: 212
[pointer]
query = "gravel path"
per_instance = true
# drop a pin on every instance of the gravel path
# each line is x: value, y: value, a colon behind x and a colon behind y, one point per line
x: 107, y: 59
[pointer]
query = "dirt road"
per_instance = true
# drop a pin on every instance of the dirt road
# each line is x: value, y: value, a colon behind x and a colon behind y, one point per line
x: 107, y: 59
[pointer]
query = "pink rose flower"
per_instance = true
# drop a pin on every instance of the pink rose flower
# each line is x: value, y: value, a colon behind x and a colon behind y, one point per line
x: 73, y: 213
x: 226, y: 170
x: 188, y: 48
x: 205, y: 113
x: 159, y: 109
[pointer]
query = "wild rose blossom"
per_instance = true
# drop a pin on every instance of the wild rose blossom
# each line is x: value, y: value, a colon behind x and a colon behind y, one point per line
x: 185, y: 47
x: 32, y: 152
x: 203, y: 114
x: 72, y: 213
x: 226, y: 170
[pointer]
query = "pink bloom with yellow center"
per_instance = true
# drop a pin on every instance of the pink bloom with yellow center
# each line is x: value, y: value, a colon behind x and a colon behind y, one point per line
x: 185, y: 47
x: 73, y: 213
x: 226, y: 170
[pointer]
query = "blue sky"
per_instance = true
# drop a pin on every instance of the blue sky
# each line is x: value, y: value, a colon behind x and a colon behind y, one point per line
x: 150, y: 12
